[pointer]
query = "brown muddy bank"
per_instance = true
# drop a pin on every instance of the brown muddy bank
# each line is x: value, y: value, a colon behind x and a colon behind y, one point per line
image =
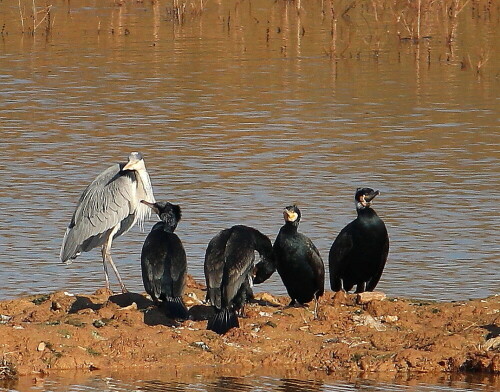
x: 40, y: 334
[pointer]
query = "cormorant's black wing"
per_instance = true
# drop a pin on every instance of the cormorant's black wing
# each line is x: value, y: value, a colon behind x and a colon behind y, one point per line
x: 341, y: 247
x: 372, y: 283
x: 318, y: 267
x: 178, y: 266
x: 240, y: 257
x: 153, y: 255
x: 214, y: 266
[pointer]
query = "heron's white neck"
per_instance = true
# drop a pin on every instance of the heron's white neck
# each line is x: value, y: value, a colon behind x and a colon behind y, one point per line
x: 145, y: 192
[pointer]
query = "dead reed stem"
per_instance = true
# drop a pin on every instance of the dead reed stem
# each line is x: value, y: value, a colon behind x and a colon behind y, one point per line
x: 419, y: 9
x: 46, y: 11
x: 22, y: 17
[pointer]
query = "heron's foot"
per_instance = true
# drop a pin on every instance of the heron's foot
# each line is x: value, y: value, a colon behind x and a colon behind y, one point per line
x: 124, y: 290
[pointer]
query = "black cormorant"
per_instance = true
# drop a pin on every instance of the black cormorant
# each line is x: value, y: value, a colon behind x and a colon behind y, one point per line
x: 298, y: 261
x: 230, y: 271
x: 163, y: 261
x: 358, y: 254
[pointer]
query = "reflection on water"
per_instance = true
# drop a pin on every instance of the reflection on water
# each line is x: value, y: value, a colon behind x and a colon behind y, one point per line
x: 240, y: 111
x: 256, y: 383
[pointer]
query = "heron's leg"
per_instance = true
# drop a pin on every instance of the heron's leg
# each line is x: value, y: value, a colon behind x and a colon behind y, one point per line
x: 124, y: 290
x: 103, y: 252
x: 107, y: 257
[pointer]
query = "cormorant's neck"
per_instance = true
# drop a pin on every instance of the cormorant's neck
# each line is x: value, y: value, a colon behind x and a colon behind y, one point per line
x: 263, y: 245
x: 291, y: 227
x: 366, y: 212
x: 165, y: 226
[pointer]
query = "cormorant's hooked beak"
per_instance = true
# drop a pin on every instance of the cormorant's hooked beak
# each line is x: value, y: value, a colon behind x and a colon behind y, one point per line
x: 290, y: 216
x: 152, y: 206
x: 369, y: 198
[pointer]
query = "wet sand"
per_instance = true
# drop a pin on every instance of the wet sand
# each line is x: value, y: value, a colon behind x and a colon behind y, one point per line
x: 353, y: 334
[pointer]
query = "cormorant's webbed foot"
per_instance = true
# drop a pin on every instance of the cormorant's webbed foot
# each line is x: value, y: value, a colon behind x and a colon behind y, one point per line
x: 296, y: 304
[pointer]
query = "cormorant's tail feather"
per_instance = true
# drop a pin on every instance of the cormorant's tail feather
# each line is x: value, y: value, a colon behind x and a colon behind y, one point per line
x: 223, y: 321
x: 175, y: 307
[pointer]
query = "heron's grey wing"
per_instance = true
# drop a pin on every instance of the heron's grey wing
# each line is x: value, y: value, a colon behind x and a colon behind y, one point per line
x: 107, y: 202
x: 336, y: 259
x: 214, y: 266
x: 372, y: 283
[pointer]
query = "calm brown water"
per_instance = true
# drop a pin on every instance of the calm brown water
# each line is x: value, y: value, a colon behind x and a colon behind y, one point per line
x: 157, y: 381
x: 248, y: 107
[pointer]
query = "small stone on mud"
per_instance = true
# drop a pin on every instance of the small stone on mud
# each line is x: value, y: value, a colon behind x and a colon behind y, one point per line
x: 367, y: 296
x: 41, y: 346
x: 133, y: 306
x: 4, y: 319
x: 266, y: 297
x: 369, y: 321
x: 56, y: 305
x: 193, y: 299
x: 201, y: 345
x: 389, y: 319
x: 491, y: 344
x: 99, y: 323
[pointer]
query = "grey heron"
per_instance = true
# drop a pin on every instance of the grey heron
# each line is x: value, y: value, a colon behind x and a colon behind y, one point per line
x: 108, y: 208
x: 163, y: 261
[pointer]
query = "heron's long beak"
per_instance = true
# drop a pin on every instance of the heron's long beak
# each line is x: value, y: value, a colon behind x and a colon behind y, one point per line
x: 129, y: 166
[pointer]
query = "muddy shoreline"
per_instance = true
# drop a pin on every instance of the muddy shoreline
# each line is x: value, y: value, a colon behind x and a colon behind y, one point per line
x: 353, y: 335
